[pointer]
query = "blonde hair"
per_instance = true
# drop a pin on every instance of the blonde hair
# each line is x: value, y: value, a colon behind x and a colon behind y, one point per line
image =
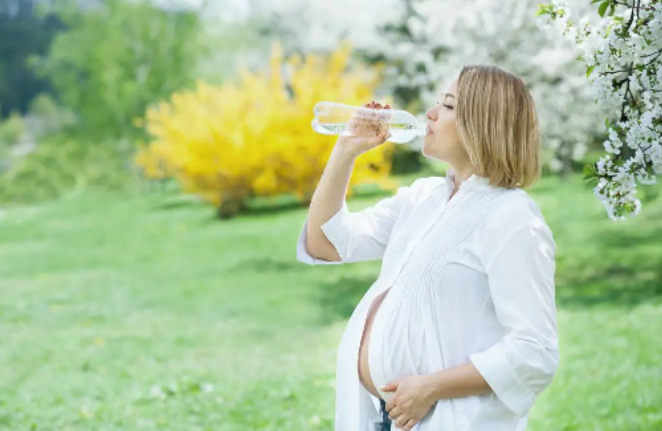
x: 498, y: 126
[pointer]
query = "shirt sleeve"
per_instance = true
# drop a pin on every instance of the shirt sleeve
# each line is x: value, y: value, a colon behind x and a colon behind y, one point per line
x: 519, y: 259
x: 361, y: 235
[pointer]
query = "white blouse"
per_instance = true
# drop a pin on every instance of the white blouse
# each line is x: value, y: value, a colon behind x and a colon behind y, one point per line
x: 471, y: 279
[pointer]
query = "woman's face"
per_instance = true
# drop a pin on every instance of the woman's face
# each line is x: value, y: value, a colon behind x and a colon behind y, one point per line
x: 443, y: 143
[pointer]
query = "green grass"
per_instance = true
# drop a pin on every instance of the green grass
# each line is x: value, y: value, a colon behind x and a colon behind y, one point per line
x: 147, y: 313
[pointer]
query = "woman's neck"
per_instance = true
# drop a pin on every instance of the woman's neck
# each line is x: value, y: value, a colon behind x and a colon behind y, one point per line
x: 461, y: 175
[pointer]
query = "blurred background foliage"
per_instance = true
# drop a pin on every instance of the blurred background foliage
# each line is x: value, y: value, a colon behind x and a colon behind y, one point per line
x: 129, y: 127
x: 117, y: 58
x: 88, y: 74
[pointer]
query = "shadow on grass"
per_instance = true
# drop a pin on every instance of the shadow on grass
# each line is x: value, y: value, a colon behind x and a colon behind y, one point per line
x: 268, y: 206
x: 265, y: 264
x: 624, y: 270
x: 338, y: 299
x: 629, y: 240
x: 175, y: 204
x: 614, y: 286
x: 259, y: 205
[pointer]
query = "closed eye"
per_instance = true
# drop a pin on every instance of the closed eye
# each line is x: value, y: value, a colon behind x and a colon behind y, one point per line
x: 448, y: 106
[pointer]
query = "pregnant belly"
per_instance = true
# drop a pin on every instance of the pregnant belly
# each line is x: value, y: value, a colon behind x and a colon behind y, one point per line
x: 404, y: 337
x: 363, y: 364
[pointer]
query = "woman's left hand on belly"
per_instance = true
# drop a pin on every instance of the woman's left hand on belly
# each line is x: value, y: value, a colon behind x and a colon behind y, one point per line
x: 412, y: 400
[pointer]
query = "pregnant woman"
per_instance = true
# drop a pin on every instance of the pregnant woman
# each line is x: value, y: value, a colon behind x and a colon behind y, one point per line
x: 459, y: 331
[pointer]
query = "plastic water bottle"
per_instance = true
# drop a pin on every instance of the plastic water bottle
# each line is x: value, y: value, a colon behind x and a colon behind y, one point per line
x: 332, y: 118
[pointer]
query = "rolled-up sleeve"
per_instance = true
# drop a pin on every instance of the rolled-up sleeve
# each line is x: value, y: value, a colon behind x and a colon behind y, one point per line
x: 520, y: 266
x: 337, y: 220
x: 361, y: 235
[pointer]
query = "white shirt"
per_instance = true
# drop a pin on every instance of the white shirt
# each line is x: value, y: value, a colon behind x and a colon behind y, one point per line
x: 472, y: 279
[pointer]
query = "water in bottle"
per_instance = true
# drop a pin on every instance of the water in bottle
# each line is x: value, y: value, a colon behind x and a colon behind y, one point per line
x: 332, y: 118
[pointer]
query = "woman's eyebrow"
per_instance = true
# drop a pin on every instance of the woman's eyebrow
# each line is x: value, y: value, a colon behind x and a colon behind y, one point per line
x: 447, y: 95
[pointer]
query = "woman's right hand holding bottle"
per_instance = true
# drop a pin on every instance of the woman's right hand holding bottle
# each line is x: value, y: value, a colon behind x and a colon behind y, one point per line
x: 369, y: 129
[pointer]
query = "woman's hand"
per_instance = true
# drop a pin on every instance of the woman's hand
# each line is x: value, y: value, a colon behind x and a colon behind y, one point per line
x: 369, y: 129
x: 412, y: 400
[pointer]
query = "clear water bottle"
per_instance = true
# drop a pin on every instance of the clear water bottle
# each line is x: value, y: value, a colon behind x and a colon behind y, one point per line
x: 332, y: 118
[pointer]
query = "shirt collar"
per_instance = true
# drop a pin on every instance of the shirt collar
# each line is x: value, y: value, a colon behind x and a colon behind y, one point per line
x: 474, y: 182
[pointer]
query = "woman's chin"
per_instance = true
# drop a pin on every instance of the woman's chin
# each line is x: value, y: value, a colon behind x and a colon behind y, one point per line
x: 428, y: 142
x: 430, y: 149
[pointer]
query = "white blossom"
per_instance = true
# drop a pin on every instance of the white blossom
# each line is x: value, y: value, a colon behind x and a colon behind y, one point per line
x: 626, y: 69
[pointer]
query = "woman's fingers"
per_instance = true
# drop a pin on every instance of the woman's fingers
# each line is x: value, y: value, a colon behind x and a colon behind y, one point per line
x: 373, y: 104
x: 410, y: 424
x: 406, y: 423
x: 372, y: 122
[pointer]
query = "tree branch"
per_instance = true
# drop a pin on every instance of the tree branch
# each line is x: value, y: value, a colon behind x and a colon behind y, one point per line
x: 633, y: 6
x: 625, y: 95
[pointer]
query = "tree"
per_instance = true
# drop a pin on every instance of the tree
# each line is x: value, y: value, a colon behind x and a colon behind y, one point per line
x: 425, y: 42
x: 117, y: 57
x: 24, y: 31
x: 622, y: 55
x: 443, y: 36
x: 253, y: 137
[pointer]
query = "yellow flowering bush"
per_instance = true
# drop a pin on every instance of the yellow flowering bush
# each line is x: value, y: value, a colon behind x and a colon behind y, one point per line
x: 254, y: 138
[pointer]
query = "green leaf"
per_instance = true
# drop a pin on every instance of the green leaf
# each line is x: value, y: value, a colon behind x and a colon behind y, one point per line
x: 590, y: 70
x: 543, y: 9
x: 589, y: 172
x: 595, y: 1
x: 612, y: 9
x: 603, y: 7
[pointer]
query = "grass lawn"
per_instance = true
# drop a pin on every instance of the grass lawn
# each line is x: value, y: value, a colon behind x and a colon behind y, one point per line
x: 147, y: 313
